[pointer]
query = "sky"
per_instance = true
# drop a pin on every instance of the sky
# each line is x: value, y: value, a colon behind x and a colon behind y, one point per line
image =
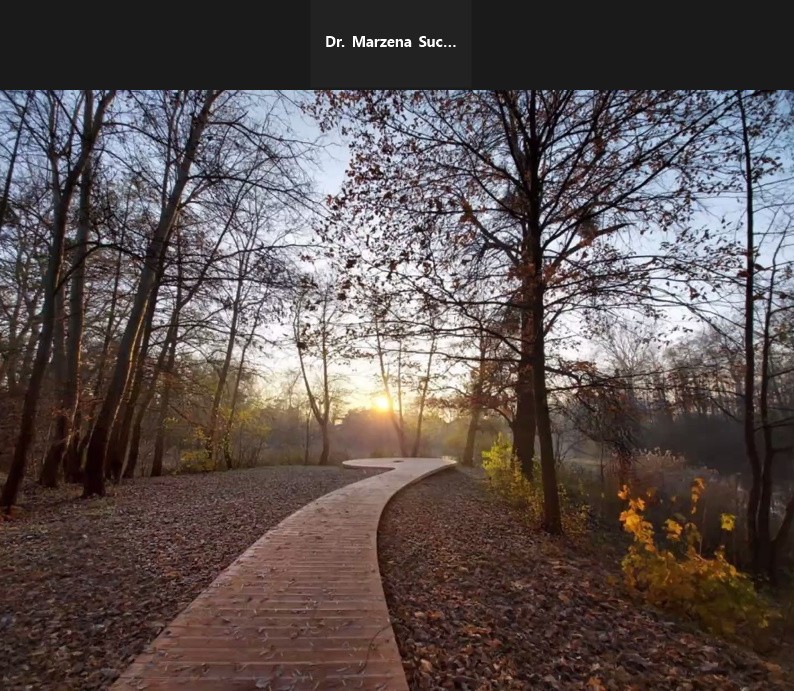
x: 360, y: 382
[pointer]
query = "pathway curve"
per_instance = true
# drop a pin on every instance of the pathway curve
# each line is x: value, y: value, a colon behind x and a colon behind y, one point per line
x: 302, y: 608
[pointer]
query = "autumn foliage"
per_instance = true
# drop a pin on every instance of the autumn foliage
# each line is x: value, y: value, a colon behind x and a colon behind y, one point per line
x: 673, y: 574
x: 507, y: 481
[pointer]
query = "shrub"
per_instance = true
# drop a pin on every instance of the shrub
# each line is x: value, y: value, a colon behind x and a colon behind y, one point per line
x: 196, y: 461
x: 506, y: 480
x: 677, y: 577
x: 668, y: 479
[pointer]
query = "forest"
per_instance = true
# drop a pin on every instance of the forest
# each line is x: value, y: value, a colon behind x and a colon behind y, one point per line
x: 603, y: 278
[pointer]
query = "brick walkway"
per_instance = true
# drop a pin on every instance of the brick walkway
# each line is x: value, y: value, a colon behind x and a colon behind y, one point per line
x: 302, y: 608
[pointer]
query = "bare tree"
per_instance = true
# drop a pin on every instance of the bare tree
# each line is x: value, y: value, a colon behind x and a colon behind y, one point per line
x: 315, y: 333
x: 197, y: 108
x: 536, y: 190
x: 64, y: 178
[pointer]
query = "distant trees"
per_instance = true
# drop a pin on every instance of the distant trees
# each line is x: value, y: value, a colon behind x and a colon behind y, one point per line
x: 405, y: 341
x: 318, y: 335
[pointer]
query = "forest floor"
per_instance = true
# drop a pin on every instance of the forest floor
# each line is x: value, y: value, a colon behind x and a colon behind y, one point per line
x: 85, y: 585
x: 481, y: 600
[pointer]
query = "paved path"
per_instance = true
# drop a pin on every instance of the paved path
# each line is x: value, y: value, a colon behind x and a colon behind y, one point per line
x: 302, y: 608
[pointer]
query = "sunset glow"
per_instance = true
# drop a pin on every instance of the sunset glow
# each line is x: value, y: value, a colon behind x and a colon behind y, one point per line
x: 381, y: 404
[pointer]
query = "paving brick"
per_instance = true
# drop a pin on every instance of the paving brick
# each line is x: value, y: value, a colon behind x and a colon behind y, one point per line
x: 302, y: 608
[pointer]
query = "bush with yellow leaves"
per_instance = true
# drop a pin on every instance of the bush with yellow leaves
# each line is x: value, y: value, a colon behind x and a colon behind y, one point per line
x: 195, y: 461
x: 506, y: 480
x: 677, y: 577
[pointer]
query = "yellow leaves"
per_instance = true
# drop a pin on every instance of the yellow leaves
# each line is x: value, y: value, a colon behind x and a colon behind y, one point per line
x: 506, y: 480
x: 673, y: 529
x: 631, y: 521
x: 195, y: 461
x: 727, y: 522
x: 709, y: 590
x: 634, y: 524
x: 696, y: 492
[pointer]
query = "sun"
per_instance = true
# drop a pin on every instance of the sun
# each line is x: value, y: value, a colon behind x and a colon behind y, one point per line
x: 381, y: 403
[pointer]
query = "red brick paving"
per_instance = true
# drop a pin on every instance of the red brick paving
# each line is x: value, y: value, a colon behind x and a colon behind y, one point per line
x: 302, y: 608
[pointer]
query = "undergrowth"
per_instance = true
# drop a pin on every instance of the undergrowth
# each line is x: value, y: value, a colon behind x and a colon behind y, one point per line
x: 671, y: 572
x: 671, y: 569
x: 506, y: 480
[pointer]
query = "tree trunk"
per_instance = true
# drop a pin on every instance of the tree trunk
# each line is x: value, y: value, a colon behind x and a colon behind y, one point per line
x: 137, y: 425
x: 471, y: 437
x: 109, y: 329
x: 781, y: 539
x: 73, y: 457
x: 30, y: 404
x: 322, y: 413
x: 395, y: 413
x: 97, y: 447
x: 552, y: 518
x: 759, y: 543
x: 8, y: 367
x: 212, y: 428
x: 524, y: 424
x: 326, y: 451
x: 74, y: 339
x: 26, y: 368
x: 423, y: 399
x: 159, y: 442
x: 13, y: 160
x: 166, y: 366
x: 400, y: 433
x: 134, y: 448
x: 227, y: 433
x: 10, y: 364
x: 306, y: 440
x: 52, y: 461
x: 124, y: 423
x: 476, y: 404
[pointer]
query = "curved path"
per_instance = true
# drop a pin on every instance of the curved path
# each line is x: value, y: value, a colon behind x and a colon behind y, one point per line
x: 302, y: 608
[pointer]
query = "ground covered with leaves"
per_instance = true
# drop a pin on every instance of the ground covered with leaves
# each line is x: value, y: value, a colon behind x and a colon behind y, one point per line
x: 87, y: 584
x: 481, y: 600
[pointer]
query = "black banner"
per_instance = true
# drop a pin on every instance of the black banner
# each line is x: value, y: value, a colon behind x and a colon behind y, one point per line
x: 298, y: 44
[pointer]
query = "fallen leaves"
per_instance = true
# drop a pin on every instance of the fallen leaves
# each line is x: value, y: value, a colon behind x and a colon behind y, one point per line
x: 87, y: 584
x: 520, y: 610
